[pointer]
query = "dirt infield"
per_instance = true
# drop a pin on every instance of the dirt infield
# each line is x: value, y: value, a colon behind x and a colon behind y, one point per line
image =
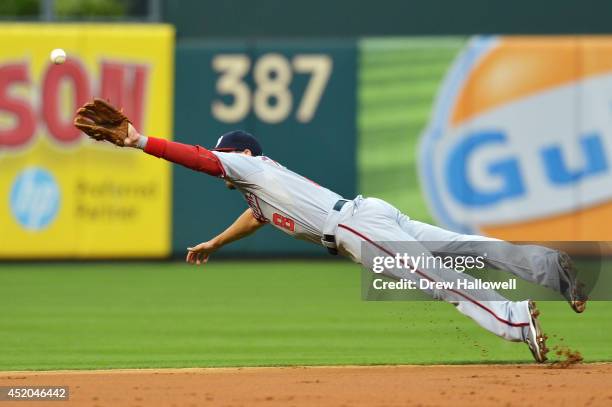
x: 473, y: 385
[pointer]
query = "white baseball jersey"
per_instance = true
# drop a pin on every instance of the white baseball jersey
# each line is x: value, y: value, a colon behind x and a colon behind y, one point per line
x: 300, y: 207
x: 290, y: 202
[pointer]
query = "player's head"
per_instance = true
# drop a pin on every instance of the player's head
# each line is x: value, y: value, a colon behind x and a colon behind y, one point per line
x: 238, y: 141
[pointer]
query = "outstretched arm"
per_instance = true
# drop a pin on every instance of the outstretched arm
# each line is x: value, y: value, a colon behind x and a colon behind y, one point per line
x: 194, y: 157
x: 242, y: 227
x: 104, y: 122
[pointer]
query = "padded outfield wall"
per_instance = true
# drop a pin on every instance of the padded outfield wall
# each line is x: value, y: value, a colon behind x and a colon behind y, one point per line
x: 297, y: 98
x: 502, y: 135
x: 506, y: 136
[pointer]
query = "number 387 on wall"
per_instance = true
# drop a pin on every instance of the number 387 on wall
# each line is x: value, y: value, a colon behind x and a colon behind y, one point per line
x: 271, y: 99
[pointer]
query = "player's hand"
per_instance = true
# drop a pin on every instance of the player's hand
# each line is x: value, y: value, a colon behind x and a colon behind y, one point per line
x: 132, y: 138
x: 102, y: 121
x: 201, y: 253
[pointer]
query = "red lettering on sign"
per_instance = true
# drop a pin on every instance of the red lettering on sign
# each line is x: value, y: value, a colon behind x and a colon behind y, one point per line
x: 70, y: 72
x: 25, y: 121
x: 283, y: 222
x: 124, y: 85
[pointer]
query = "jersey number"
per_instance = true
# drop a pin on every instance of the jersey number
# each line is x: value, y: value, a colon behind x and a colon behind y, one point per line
x: 283, y: 222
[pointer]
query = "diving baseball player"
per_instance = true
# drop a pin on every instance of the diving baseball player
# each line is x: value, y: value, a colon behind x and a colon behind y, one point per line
x: 308, y: 211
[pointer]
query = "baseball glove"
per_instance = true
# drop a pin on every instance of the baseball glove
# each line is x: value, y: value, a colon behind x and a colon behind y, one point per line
x: 102, y: 121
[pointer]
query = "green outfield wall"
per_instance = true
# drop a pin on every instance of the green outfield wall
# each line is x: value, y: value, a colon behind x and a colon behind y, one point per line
x: 497, y: 135
x: 362, y: 138
x: 398, y: 82
x: 297, y: 97
x: 348, y: 18
x: 506, y: 136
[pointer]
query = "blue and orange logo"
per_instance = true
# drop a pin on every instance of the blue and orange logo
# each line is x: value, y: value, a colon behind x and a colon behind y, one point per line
x: 520, y: 140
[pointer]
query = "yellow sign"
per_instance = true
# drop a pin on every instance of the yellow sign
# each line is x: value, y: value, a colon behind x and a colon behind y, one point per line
x: 64, y: 195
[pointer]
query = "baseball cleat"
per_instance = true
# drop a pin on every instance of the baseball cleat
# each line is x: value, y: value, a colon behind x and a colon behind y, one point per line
x: 571, y: 288
x: 536, y: 340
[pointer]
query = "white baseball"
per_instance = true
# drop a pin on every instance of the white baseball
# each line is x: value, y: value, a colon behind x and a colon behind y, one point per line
x: 58, y: 56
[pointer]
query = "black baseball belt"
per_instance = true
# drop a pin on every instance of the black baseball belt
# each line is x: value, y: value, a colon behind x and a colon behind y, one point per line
x: 329, y: 241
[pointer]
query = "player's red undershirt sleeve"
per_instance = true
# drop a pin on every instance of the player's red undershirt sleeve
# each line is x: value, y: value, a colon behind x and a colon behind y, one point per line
x: 194, y: 157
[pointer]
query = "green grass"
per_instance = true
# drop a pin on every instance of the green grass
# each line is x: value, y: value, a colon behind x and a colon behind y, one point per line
x: 82, y: 316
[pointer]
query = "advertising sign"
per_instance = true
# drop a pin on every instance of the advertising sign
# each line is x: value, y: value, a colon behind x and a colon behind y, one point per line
x: 518, y: 146
x: 62, y: 194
